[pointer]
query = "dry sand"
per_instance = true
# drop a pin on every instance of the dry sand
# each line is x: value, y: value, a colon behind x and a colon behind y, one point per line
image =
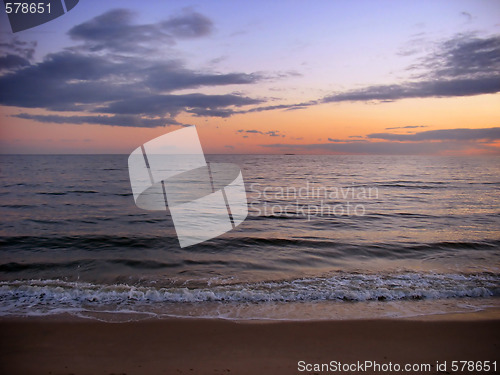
x: 192, y: 346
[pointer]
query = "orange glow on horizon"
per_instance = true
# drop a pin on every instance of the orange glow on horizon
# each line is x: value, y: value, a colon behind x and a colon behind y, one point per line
x: 309, y: 126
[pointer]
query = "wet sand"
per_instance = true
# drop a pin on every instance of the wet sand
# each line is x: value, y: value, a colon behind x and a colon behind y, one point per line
x: 62, y: 345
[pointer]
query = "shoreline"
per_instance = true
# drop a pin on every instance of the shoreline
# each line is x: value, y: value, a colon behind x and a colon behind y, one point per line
x: 70, y: 345
x: 285, y: 311
x: 491, y: 313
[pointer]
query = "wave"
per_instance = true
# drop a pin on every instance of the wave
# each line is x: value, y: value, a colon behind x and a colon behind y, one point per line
x: 319, y: 244
x: 22, y: 297
x: 84, y: 242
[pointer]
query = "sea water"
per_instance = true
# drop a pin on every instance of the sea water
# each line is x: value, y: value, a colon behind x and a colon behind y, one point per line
x: 326, y: 237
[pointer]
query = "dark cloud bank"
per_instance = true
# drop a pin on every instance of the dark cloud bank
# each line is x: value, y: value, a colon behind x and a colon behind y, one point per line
x: 108, y: 77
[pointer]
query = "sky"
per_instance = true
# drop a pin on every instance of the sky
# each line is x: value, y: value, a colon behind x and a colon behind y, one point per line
x: 269, y: 77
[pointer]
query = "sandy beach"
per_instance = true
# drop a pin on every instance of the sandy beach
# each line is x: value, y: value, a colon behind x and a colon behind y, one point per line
x: 66, y: 345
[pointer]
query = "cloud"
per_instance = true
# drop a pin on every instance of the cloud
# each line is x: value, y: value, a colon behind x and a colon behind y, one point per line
x: 287, y: 107
x: 188, y: 25
x: 407, y: 127
x: 173, y: 76
x: 65, y: 81
x: 424, y: 89
x: 18, y: 47
x: 160, y: 105
x: 117, y: 120
x: 110, y: 77
x: 271, y: 133
x: 115, y: 31
x: 204, y: 112
x: 465, y: 56
x: 15, y: 54
x: 336, y: 140
x: 488, y: 134
x: 464, y: 66
x: 417, y: 44
x: 467, y: 15
x: 12, y: 61
x: 427, y: 142
x: 252, y: 131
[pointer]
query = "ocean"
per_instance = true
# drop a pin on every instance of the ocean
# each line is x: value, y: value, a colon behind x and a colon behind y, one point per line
x: 326, y: 237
